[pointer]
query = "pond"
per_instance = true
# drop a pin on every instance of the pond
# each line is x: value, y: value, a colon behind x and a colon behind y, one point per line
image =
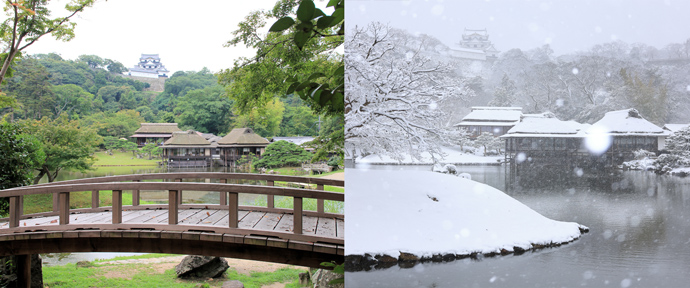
x: 639, y: 235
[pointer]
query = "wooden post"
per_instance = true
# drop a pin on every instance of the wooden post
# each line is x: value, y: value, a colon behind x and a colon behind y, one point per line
x: 14, y: 212
x: 23, y: 270
x: 223, y: 195
x: 21, y: 205
x: 64, y: 208
x: 172, y: 206
x: 117, y: 206
x: 297, y: 220
x: 232, y: 210
x: 319, y: 202
x: 95, y: 199
x: 55, y: 202
x: 179, y: 193
x: 135, y: 196
x: 270, y: 199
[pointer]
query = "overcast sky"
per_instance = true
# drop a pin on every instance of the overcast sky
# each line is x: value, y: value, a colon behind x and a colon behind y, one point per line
x: 188, y: 35
x: 568, y: 26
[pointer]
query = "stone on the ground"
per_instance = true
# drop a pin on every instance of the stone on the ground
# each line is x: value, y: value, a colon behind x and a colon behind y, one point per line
x: 321, y: 277
x: 201, y: 267
x: 303, y: 279
x: 232, y: 284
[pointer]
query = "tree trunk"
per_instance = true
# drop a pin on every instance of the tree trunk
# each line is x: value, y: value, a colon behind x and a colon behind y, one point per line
x: 40, y: 175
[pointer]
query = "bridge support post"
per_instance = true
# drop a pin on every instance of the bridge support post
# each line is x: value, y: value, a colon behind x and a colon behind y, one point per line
x: 232, y: 209
x: 270, y: 198
x: 297, y: 219
x: 95, y: 199
x: 179, y: 193
x: 23, y: 271
x: 64, y: 207
x: 55, y: 202
x: 172, y: 206
x: 319, y: 202
x: 223, y: 195
x: 135, y: 196
x: 117, y: 206
x: 15, y: 213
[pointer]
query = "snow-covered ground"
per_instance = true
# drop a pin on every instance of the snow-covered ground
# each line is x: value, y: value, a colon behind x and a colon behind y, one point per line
x: 454, y: 155
x: 426, y: 213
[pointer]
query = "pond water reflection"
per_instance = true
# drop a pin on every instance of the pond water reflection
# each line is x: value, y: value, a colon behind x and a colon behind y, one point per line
x: 639, y: 235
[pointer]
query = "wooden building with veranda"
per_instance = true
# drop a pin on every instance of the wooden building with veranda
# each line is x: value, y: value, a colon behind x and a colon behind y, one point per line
x: 156, y: 133
x: 240, y: 142
x: 548, y: 141
x: 495, y: 120
x: 187, y: 149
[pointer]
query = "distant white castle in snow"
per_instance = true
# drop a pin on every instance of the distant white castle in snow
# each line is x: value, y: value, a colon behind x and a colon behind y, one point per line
x: 475, y: 45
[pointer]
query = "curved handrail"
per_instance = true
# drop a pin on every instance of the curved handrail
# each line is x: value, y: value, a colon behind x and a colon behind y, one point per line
x: 62, y: 191
x: 200, y: 175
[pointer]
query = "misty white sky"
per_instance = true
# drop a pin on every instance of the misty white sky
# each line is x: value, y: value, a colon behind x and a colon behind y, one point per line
x: 568, y: 26
x: 188, y: 35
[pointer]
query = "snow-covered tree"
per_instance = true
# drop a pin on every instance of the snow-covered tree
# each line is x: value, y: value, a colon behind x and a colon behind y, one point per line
x: 504, y: 95
x: 489, y: 142
x: 678, y: 146
x: 393, y: 92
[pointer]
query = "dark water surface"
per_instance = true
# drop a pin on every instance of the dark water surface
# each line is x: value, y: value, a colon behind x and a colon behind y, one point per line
x: 639, y: 237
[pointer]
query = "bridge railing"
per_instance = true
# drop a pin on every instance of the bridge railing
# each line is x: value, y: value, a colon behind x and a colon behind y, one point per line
x: 228, y: 195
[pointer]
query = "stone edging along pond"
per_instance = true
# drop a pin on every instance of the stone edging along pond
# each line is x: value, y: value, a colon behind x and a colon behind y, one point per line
x: 355, y: 263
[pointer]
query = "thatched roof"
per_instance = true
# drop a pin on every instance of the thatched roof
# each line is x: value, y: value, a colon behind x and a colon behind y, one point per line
x: 186, y: 138
x: 158, y: 128
x: 243, y: 136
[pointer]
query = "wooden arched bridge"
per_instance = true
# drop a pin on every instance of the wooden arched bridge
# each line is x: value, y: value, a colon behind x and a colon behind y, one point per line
x: 292, y: 236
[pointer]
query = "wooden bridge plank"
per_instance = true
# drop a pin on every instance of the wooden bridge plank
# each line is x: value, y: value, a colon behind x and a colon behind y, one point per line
x: 199, y: 217
x: 325, y: 227
x: 309, y: 225
x: 127, y: 217
x: 86, y: 217
x: 215, y: 217
x: 269, y: 221
x: 285, y: 224
x: 224, y: 221
x: 185, y: 213
x: 340, y: 228
x: 249, y: 221
x: 153, y: 214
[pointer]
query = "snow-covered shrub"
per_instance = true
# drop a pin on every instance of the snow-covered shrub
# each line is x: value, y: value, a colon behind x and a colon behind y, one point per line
x: 450, y: 169
x: 678, y: 146
x: 641, y: 154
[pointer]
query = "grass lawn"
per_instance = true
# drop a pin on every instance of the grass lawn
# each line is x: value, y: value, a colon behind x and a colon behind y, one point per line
x: 122, y: 158
x: 98, y: 274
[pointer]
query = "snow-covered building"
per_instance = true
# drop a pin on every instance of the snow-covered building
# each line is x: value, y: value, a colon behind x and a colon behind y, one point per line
x: 475, y: 45
x: 149, y: 66
x: 674, y: 127
x: 629, y: 132
x: 610, y: 141
x: 496, y: 120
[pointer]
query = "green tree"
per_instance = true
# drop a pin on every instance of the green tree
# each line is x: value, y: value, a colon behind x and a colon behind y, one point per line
x: 32, y: 88
x: 207, y: 110
x: 66, y: 145
x: 20, y: 153
x: 72, y: 99
x: 28, y: 21
x: 281, y: 154
x: 265, y: 120
x: 92, y: 60
x: 151, y: 149
x: 119, y: 125
x: 147, y: 114
x: 115, y: 67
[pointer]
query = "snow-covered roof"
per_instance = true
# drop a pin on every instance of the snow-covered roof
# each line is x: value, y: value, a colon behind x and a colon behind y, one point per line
x: 486, y: 123
x: 628, y: 121
x: 540, y: 125
x: 675, y: 127
x: 493, y: 115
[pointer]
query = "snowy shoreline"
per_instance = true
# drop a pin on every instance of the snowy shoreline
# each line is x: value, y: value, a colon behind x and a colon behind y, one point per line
x: 454, y: 156
x: 406, y: 217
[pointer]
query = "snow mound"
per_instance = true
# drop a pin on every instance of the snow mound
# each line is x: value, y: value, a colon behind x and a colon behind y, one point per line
x: 426, y: 213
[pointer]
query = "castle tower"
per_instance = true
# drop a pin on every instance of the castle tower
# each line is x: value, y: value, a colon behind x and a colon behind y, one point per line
x: 149, y: 66
x: 478, y: 40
